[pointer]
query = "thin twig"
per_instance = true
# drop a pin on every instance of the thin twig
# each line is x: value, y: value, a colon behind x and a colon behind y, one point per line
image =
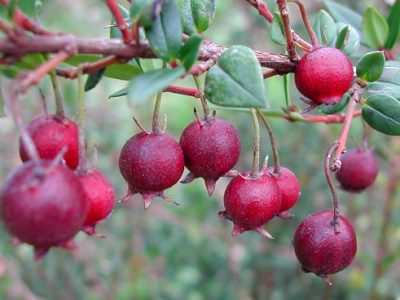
x: 307, y: 23
x: 291, y: 47
x: 336, y: 206
x: 256, y: 150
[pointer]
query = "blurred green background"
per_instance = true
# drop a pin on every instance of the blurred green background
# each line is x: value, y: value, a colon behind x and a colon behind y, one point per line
x: 187, y: 252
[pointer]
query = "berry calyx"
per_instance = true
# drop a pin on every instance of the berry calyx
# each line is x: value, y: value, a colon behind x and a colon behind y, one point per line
x: 151, y: 163
x: 359, y: 169
x: 290, y: 189
x: 100, y: 197
x: 319, y: 248
x: 324, y: 75
x: 50, y: 135
x: 211, y: 148
x: 43, y: 204
x: 251, y: 202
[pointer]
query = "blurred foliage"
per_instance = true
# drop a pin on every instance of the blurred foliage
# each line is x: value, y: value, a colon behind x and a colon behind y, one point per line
x: 186, y: 252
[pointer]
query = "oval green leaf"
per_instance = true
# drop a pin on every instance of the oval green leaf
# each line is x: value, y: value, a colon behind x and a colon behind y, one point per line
x: 196, y: 15
x: 382, y: 113
x: 375, y: 28
x: 325, y: 28
x: 370, y: 67
x: 236, y: 80
x: 393, y: 21
x: 350, y: 39
x: 384, y: 88
x: 190, y: 51
x: 142, y: 87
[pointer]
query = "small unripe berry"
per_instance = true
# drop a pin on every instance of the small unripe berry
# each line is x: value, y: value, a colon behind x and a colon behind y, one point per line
x: 211, y: 148
x: 358, y: 170
x: 319, y: 248
x: 151, y: 163
x: 43, y: 204
x: 100, y: 197
x: 290, y: 188
x: 50, y: 135
x: 324, y: 75
x: 251, y: 202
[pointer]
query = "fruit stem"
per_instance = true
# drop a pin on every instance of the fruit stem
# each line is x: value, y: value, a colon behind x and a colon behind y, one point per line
x: 57, y: 95
x: 307, y: 23
x: 82, y: 168
x: 290, y: 45
x: 256, y: 152
x: 273, y: 141
x: 202, y: 98
x: 156, y: 112
x: 336, y: 206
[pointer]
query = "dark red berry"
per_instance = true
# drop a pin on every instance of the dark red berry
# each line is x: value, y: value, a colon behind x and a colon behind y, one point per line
x: 251, y: 202
x: 290, y: 188
x: 50, y: 135
x: 319, y: 248
x: 151, y: 163
x: 211, y: 148
x: 358, y: 170
x: 100, y: 198
x: 43, y: 204
x: 324, y: 75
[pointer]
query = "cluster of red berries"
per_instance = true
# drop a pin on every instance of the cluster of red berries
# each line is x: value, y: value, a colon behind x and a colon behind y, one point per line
x: 45, y: 203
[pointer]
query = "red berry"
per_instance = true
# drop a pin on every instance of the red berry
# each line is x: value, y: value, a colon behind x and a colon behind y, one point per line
x: 319, y: 248
x: 358, y: 171
x: 100, y: 198
x: 290, y: 188
x: 151, y: 163
x: 324, y: 75
x: 251, y: 202
x: 50, y: 134
x: 211, y: 149
x: 43, y: 204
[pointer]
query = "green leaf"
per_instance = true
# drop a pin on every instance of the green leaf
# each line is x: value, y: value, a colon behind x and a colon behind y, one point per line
x: 277, y: 32
x: 393, y: 21
x: 144, y: 86
x: 31, y: 61
x: 370, y: 67
x: 165, y: 34
x: 375, y: 28
x: 391, y: 72
x: 115, y: 33
x: 196, y: 15
x: 236, y: 80
x: 120, y: 93
x: 190, y: 51
x: 338, y: 107
x: 286, y: 81
x: 342, y: 38
x: 141, y: 11
x: 343, y: 14
x: 93, y: 79
x: 325, y: 28
x: 82, y: 58
x: 123, y: 71
x: 351, y: 42
x: 383, y: 114
x: 384, y: 88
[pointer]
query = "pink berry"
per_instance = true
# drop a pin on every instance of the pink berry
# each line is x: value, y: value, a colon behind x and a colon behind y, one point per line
x: 320, y: 249
x: 100, y: 197
x: 251, y: 202
x: 358, y: 171
x: 324, y: 75
x: 211, y: 148
x: 43, y: 204
x: 50, y: 135
x: 151, y: 163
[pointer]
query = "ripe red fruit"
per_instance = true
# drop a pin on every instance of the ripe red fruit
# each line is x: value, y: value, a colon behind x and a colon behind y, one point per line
x: 43, y: 205
x: 290, y: 188
x: 211, y: 148
x: 251, y: 202
x: 50, y: 134
x: 319, y: 248
x: 358, y: 170
x: 100, y: 197
x: 324, y: 75
x: 151, y: 163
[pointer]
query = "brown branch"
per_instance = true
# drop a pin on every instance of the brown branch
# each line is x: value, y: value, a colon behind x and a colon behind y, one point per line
x: 330, y: 119
x: 307, y: 23
x: 56, y: 43
x: 119, y: 19
x: 291, y: 47
x: 262, y: 9
x: 183, y: 91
